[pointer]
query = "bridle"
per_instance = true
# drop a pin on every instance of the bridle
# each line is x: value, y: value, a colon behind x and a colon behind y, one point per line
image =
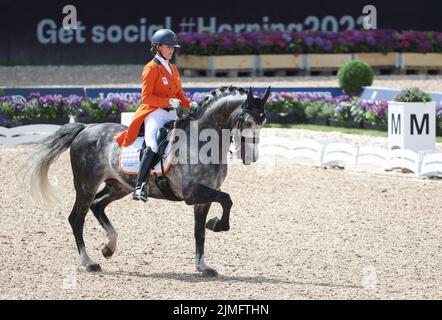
x: 258, y: 118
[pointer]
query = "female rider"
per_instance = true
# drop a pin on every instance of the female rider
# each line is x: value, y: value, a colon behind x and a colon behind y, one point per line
x: 161, y: 94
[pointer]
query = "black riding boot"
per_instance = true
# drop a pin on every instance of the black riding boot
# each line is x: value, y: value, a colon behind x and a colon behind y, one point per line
x: 142, y: 188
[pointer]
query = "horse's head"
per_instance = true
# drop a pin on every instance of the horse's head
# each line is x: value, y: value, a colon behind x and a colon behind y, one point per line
x: 249, y: 124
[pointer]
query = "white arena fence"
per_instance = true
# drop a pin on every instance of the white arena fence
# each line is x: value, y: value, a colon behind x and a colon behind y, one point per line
x: 422, y: 164
x: 26, y: 134
x: 355, y: 157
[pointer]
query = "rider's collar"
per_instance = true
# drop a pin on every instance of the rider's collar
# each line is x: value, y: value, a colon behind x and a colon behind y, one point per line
x: 164, y: 62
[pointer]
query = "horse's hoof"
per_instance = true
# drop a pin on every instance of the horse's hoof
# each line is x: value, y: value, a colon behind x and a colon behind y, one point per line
x: 215, y: 225
x: 221, y: 227
x: 211, y: 224
x: 106, y: 251
x: 210, y: 273
x: 93, y: 268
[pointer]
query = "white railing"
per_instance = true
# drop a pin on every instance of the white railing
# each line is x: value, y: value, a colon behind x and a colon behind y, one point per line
x: 351, y: 156
x: 26, y: 134
x: 422, y: 164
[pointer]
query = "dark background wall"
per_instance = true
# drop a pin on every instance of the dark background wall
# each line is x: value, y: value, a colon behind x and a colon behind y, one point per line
x: 102, y: 41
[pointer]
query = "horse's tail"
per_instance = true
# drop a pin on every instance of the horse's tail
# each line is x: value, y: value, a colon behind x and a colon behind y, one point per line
x: 47, y: 152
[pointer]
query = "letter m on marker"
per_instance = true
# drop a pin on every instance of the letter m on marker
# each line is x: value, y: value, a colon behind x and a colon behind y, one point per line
x: 425, y: 121
x: 396, y: 125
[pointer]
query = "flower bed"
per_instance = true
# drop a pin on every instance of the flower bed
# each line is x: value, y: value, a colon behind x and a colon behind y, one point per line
x: 278, y: 42
x: 307, y: 50
x: 57, y: 109
x: 342, y: 109
x: 281, y: 107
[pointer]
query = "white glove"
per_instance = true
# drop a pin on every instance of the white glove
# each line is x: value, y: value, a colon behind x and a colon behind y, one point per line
x: 174, y: 103
x: 193, y: 105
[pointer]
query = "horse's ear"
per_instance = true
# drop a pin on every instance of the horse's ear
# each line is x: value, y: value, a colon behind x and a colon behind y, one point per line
x: 266, y: 95
x: 250, y: 99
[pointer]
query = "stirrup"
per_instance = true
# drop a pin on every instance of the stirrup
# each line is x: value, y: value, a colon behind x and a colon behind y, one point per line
x: 140, y: 193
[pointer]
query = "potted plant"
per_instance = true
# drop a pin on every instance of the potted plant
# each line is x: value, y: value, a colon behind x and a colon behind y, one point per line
x: 98, y: 111
x: 43, y: 109
x: 439, y: 121
x: 412, y: 121
x: 375, y: 114
x: 353, y: 75
x: 270, y: 113
x: 318, y: 112
x: 345, y: 113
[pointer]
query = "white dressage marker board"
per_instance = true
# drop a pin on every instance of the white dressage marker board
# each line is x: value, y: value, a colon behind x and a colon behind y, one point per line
x: 412, y: 125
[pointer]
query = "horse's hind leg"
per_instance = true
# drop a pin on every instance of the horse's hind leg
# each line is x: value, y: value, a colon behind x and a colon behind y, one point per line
x: 83, y: 201
x: 200, y: 211
x: 112, y: 191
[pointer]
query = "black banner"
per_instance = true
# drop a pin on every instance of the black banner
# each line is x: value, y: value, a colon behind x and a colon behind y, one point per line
x: 118, y: 32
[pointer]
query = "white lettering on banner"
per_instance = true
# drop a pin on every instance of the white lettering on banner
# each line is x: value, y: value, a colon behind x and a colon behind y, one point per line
x: 122, y: 95
x: 98, y: 35
x: 45, y: 33
x: 79, y: 33
x: 48, y: 32
x: 143, y: 30
x: 201, y: 27
x: 65, y: 36
x: 348, y: 21
x: 114, y: 34
x: 130, y: 33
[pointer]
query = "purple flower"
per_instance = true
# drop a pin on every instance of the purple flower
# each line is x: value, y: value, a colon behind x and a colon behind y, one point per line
x: 308, y: 41
x: 33, y: 95
x: 5, y: 99
x: 4, y: 121
x: 105, y: 105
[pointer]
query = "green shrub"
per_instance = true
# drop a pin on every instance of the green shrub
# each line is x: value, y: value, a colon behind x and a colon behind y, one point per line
x: 92, y: 107
x: 313, y: 109
x: 412, y: 95
x: 298, y: 107
x: 319, y: 109
x: 353, y: 75
x: 327, y: 111
x: 7, y: 108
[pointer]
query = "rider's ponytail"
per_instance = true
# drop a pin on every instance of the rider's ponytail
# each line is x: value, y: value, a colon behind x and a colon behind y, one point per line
x: 154, y: 48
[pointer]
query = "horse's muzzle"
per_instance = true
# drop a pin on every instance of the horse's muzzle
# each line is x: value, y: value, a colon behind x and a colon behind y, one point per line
x: 249, y: 149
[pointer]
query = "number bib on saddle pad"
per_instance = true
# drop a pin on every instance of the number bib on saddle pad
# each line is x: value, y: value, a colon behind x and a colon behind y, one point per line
x: 130, y: 159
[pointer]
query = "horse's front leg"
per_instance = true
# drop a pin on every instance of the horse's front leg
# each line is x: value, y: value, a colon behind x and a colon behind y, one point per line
x: 201, y: 211
x: 201, y: 194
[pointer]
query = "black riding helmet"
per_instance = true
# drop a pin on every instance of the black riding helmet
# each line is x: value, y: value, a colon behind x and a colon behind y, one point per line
x: 165, y: 37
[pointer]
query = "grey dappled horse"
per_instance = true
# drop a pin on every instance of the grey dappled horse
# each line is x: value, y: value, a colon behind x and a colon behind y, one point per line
x: 94, y: 160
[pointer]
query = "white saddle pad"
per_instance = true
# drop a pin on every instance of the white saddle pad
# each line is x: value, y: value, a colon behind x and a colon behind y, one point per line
x: 130, y: 159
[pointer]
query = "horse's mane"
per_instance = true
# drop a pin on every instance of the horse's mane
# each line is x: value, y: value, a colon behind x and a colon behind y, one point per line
x: 215, y: 96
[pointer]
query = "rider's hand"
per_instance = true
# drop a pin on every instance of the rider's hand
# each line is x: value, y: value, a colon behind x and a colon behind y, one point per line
x: 174, y: 103
x: 193, y: 105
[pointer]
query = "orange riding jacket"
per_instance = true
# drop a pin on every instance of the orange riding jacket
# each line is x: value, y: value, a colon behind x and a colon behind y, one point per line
x: 158, y: 87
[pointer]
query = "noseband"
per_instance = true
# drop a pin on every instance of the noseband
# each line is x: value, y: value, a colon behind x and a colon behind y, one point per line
x: 258, y: 118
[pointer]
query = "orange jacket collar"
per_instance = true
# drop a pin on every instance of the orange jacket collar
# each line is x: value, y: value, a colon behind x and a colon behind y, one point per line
x: 164, y: 71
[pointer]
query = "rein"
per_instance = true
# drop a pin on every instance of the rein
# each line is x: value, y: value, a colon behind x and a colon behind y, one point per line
x: 239, y: 124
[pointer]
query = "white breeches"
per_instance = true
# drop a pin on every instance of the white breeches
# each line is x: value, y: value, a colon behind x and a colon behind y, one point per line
x: 154, y: 121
